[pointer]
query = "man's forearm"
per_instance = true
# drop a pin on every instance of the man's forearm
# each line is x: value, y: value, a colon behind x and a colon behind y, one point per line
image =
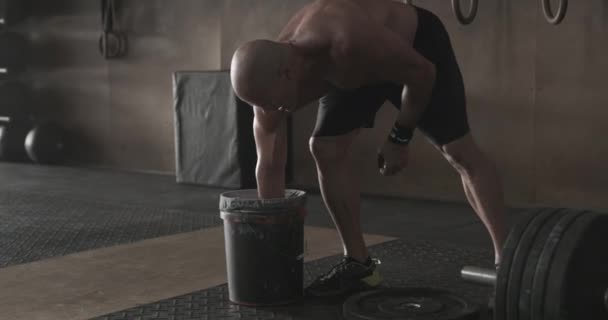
x: 271, y: 182
x: 411, y: 110
x: 270, y: 132
x: 415, y: 99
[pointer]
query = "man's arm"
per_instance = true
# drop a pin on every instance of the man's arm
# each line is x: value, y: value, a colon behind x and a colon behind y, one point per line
x: 291, y: 25
x: 270, y: 131
x: 398, y: 62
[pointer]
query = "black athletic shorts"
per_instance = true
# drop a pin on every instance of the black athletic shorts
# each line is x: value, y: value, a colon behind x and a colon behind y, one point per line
x: 444, y: 119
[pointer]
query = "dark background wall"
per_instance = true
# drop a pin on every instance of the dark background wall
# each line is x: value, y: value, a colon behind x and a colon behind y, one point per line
x: 537, y: 93
x: 120, y: 111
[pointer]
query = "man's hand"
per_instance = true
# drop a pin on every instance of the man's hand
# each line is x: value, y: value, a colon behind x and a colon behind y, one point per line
x: 392, y: 158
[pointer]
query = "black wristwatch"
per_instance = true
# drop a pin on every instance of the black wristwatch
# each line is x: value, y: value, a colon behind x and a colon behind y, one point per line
x: 400, y: 134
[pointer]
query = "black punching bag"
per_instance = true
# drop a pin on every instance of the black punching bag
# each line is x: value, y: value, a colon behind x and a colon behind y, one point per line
x: 45, y: 144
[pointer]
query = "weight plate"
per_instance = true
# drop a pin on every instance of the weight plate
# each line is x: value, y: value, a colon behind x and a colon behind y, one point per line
x: 530, y: 263
x: 502, y: 277
x: 586, y: 278
x: 557, y: 281
x: 539, y: 286
x: 520, y: 261
x: 409, y: 304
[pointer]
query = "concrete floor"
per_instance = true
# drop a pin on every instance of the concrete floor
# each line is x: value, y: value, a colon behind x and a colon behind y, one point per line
x: 134, y: 265
x: 400, y: 218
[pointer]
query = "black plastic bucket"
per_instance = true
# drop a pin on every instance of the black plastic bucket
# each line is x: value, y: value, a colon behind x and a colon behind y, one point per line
x: 264, y: 247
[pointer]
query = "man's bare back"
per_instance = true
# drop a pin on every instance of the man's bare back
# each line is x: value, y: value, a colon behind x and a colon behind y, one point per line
x: 346, y: 33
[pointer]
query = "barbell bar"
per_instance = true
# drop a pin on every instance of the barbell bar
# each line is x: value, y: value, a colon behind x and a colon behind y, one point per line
x: 482, y: 276
x: 487, y: 277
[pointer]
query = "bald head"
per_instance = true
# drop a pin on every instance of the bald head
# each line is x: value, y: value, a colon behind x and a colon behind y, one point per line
x: 258, y: 69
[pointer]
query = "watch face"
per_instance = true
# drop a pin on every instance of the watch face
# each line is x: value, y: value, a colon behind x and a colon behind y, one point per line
x: 394, y: 138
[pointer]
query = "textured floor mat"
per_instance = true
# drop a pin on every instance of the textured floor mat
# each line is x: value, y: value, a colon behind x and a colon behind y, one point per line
x: 404, y: 264
x: 36, y: 226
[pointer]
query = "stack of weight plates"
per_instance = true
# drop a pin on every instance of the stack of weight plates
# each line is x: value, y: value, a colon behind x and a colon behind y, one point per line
x: 555, y: 266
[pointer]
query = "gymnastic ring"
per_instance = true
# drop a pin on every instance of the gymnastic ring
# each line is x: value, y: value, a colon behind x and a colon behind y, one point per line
x: 559, y: 15
x: 461, y: 17
x: 113, y: 44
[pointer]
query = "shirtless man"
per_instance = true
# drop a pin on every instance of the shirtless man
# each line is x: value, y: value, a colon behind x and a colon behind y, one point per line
x: 354, y: 55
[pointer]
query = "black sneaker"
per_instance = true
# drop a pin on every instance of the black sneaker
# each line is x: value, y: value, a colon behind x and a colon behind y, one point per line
x: 346, y: 277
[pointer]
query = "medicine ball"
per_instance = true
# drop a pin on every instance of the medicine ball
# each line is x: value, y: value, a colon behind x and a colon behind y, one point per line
x: 12, y: 138
x: 14, y: 100
x: 45, y: 144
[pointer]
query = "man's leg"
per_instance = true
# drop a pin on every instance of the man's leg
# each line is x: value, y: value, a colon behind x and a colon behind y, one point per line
x: 482, y: 187
x: 341, y: 115
x: 340, y: 189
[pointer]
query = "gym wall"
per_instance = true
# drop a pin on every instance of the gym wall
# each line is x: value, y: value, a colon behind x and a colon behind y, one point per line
x: 120, y: 110
x: 537, y: 97
x: 537, y: 102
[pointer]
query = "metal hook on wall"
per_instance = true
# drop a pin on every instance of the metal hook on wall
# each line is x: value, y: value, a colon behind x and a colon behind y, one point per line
x: 555, y: 18
x: 113, y: 42
x: 470, y: 16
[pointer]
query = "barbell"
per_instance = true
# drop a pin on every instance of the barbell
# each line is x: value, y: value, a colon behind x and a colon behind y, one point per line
x: 553, y: 267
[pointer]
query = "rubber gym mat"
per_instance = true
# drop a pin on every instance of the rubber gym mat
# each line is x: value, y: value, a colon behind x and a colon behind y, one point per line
x: 37, y: 226
x: 404, y: 264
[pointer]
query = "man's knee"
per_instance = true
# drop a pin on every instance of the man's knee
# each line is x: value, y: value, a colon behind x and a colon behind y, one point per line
x: 325, y: 150
x: 464, y: 156
x: 331, y: 151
